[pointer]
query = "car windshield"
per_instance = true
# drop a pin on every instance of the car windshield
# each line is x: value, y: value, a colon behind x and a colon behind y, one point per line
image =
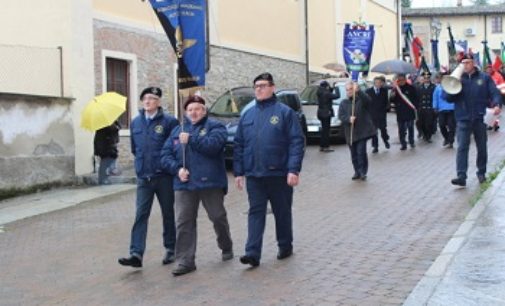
x: 290, y: 99
x: 231, y: 103
x: 309, y: 95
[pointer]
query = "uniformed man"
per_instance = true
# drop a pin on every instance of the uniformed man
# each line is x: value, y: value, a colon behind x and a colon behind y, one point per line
x: 404, y: 96
x: 149, y: 131
x: 269, y: 148
x: 425, y: 114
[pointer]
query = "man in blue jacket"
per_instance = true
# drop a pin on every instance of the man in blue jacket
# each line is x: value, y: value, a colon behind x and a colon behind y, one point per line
x: 269, y: 149
x: 478, y: 92
x: 149, y: 131
x: 445, y: 111
x: 194, y: 154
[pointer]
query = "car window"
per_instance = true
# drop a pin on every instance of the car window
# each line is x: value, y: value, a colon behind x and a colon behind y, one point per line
x: 230, y: 105
x: 290, y: 100
x: 309, y: 95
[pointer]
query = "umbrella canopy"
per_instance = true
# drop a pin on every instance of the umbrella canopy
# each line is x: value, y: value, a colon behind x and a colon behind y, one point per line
x: 337, y: 67
x: 102, y: 111
x: 394, y: 67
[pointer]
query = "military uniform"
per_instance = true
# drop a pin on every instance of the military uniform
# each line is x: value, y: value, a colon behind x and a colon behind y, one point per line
x: 426, y: 120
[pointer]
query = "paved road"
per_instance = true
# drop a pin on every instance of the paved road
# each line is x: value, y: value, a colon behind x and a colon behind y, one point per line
x: 365, y: 243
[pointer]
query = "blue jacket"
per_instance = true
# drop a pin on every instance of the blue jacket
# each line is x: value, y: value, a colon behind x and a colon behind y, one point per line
x: 269, y: 141
x: 147, y: 139
x: 479, y: 91
x: 204, y: 155
x: 439, y: 103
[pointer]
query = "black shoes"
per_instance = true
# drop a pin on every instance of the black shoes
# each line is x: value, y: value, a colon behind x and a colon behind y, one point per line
x: 248, y: 260
x: 227, y: 255
x: 131, y: 261
x: 387, y: 145
x: 181, y: 270
x: 325, y: 150
x: 284, y: 254
x: 482, y: 178
x: 403, y: 147
x: 412, y: 145
x: 168, y: 259
x: 356, y: 176
x: 375, y: 150
x: 459, y: 182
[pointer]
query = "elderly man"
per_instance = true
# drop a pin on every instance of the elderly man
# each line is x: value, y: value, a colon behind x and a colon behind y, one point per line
x: 477, y: 93
x: 199, y: 176
x: 269, y: 148
x: 358, y: 127
x: 149, y: 131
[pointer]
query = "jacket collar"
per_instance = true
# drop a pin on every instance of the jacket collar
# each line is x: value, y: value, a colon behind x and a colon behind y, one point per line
x: 266, y: 102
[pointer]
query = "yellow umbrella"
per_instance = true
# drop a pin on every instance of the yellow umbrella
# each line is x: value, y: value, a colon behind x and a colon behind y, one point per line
x: 102, y: 111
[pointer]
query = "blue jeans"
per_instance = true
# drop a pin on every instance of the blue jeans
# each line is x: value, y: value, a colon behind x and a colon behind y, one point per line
x: 146, y: 189
x: 463, y: 131
x: 359, y: 157
x: 260, y: 190
x: 105, y: 163
x: 403, y: 128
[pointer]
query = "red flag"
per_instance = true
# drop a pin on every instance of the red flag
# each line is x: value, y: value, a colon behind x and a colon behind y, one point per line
x: 417, y: 49
x: 497, y: 63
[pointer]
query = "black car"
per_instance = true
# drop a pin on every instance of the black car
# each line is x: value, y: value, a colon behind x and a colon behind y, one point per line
x: 230, y: 105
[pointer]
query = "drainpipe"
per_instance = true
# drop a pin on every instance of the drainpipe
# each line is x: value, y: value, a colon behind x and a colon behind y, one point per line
x: 399, y: 28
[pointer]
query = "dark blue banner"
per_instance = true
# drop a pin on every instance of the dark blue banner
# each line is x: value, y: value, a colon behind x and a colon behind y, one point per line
x: 184, y: 24
x: 358, y: 45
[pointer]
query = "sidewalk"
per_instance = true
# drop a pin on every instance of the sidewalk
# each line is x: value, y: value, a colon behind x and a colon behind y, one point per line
x: 471, y: 268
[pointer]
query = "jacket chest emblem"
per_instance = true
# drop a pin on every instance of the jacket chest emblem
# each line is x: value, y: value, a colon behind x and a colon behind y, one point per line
x: 479, y: 82
x: 202, y: 132
x: 274, y: 120
x: 158, y: 129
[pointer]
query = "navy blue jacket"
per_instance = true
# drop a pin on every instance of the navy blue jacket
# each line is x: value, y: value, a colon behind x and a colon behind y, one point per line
x: 479, y: 92
x: 204, y: 155
x: 269, y: 141
x: 147, y: 139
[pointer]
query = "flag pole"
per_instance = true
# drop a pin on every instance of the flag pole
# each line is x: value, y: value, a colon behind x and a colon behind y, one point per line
x: 352, y: 110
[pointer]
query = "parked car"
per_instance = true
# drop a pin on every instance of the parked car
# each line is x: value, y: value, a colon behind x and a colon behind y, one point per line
x: 309, y: 102
x: 230, y: 105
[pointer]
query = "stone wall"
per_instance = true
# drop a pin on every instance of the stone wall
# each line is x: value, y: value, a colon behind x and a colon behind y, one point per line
x: 36, y: 141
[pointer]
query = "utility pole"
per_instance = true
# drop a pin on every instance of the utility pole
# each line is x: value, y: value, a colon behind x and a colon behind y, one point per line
x: 306, y: 13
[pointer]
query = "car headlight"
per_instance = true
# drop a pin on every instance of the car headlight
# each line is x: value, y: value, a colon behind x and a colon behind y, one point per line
x: 335, y: 121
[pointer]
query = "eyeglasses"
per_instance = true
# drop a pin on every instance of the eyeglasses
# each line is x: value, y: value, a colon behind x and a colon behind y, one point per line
x: 261, y: 86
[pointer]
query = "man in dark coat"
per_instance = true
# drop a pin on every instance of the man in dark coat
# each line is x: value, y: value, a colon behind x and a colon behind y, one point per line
x: 324, y: 113
x: 358, y: 127
x: 405, y: 99
x: 105, y: 147
x: 378, y: 110
x: 425, y: 114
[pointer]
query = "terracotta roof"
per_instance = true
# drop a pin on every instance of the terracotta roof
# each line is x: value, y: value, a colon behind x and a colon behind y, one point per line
x: 454, y: 11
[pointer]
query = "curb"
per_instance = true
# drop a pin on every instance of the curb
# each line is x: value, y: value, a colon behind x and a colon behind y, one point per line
x: 422, y: 293
x: 53, y: 200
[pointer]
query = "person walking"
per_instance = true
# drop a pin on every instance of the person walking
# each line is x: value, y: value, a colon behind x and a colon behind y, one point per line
x: 425, y: 114
x: 358, y: 127
x: 445, y: 111
x: 268, y: 151
x: 105, y: 146
x: 149, y: 131
x: 194, y: 154
x: 379, y: 107
x: 324, y: 113
x: 405, y: 99
x: 478, y: 90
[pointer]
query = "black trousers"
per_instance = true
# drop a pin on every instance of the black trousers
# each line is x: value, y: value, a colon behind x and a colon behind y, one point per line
x: 447, y: 124
x: 384, y: 136
x: 325, y: 132
x: 425, y: 122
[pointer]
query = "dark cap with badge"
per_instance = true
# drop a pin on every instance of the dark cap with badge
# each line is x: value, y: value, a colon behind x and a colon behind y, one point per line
x: 151, y: 90
x: 466, y: 56
x: 194, y: 99
x: 426, y: 74
x: 266, y: 76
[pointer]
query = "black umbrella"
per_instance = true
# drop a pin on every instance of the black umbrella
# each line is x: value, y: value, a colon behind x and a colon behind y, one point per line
x: 394, y: 67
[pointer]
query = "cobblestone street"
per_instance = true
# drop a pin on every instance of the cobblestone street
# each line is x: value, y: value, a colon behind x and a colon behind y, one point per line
x: 356, y: 243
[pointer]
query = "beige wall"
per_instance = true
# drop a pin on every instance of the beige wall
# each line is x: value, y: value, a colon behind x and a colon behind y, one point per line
x: 53, y: 23
x: 421, y: 27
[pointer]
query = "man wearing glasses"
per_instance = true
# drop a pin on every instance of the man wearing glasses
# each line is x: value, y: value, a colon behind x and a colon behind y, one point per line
x: 269, y: 149
x: 478, y: 92
x: 149, y: 130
